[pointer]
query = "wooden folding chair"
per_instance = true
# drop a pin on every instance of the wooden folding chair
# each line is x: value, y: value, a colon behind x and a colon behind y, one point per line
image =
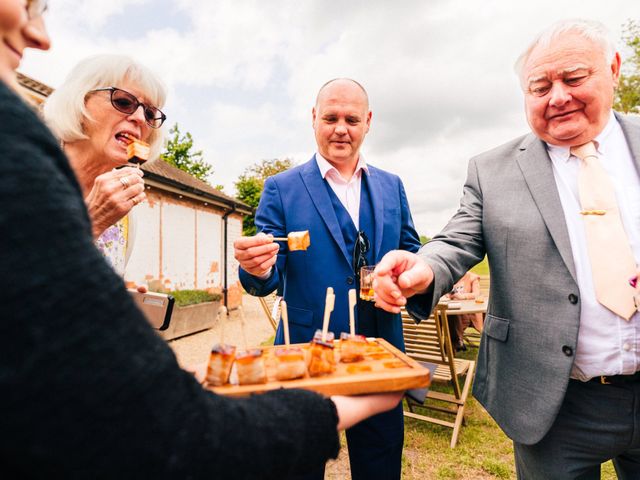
x: 471, y: 335
x: 430, y: 342
x: 271, y: 306
x: 485, y: 285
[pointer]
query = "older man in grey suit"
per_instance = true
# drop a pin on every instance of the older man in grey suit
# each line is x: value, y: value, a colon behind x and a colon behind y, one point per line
x: 560, y: 354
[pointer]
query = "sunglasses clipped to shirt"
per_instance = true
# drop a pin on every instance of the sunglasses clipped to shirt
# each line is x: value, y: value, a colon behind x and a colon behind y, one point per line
x: 360, y: 250
x: 126, y: 102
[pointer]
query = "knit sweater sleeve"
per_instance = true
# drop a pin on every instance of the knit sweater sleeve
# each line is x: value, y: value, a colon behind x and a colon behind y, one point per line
x: 87, y: 388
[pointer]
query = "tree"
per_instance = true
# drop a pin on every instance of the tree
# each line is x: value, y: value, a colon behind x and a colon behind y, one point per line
x: 424, y: 239
x: 178, y: 153
x: 250, y: 184
x: 628, y: 92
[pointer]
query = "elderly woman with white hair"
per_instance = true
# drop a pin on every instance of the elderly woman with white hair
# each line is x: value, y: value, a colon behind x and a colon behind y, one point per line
x: 95, y: 113
x: 83, y: 400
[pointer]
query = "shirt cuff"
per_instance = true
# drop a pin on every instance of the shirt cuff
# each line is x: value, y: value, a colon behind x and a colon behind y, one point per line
x: 265, y: 276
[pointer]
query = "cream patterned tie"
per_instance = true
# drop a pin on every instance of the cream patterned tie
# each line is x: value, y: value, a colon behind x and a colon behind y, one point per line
x: 612, y: 261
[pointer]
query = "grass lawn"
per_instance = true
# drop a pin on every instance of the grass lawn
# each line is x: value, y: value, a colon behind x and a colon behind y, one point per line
x: 483, y: 450
x: 482, y: 268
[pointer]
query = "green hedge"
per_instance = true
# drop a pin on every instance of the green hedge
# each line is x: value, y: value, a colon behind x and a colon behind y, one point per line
x: 482, y: 268
x: 191, y: 297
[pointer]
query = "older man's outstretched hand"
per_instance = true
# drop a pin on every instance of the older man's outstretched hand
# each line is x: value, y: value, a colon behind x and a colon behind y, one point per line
x: 398, y: 276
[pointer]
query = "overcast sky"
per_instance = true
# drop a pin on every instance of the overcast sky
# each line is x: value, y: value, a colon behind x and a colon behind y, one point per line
x: 242, y: 75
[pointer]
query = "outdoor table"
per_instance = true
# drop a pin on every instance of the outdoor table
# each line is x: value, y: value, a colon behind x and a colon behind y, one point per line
x: 466, y: 306
x: 463, y: 307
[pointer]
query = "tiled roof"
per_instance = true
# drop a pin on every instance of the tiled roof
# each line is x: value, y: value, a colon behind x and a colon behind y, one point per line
x: 34, y: 85
x: 163, y: 172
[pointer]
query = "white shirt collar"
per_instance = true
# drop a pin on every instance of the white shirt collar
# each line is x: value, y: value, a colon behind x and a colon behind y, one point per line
x: 601, y: 140
x: 325, y: 167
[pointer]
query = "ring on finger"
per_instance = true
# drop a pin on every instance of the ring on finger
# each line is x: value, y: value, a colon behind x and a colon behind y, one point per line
x: 135, y: 201
x: 125, y: 182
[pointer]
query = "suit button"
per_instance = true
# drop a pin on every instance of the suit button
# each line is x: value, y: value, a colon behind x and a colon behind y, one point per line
x: 573, y: 298
x: 567, y: 350
x: 350, y: 280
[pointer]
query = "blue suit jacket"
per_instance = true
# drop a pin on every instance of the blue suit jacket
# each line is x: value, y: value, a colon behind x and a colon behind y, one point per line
x: 298, y: 200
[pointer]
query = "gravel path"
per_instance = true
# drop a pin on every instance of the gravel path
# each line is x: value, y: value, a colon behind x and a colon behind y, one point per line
x: 194, y: 349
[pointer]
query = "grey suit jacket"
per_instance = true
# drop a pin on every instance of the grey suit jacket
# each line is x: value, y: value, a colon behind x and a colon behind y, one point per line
x: 511, y: 211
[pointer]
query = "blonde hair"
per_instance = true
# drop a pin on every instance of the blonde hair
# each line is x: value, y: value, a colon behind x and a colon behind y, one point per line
x: 590, y: 29
x: 65, y: 110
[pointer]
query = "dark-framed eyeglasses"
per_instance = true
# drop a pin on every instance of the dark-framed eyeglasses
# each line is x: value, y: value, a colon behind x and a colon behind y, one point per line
x: 126, y: 102
x: 36, y: 8
x: 360, y: 250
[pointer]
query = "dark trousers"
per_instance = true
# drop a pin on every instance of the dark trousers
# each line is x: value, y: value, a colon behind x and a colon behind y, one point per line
x: 595, y: 423
x: 375, y: 448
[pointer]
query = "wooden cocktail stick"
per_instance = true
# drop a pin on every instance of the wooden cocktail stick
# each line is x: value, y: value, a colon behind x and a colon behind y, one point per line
x: 242, y: 325
x: 329, y: 303
x: 352, y: 303
x: 222, y: 318
x: 285, y: 321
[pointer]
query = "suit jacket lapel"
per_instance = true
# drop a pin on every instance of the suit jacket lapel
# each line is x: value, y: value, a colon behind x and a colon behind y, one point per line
x: 631, y: 132
x: 376, y: 191
x: 314, y: 183
x: 536, y: 167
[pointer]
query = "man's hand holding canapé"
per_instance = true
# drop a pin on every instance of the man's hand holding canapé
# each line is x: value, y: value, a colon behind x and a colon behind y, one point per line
x: 257, y: 254
x: 398, y: 276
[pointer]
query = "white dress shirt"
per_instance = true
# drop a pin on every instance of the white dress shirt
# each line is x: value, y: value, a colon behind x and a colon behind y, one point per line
x: 347, y: 190
x: 607, y: 344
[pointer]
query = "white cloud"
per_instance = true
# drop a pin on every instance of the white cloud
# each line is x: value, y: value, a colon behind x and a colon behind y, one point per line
x: 92, y: 14
x: 243, y: 75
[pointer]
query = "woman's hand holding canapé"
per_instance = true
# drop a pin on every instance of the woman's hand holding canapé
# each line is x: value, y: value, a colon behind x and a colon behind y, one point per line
x: 113, y: 195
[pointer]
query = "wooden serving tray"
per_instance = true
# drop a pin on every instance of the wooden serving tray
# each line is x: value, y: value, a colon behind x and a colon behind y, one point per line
x: 384, y: 369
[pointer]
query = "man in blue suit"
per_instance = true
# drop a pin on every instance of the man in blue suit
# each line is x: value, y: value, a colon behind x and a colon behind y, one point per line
x: 355, y: 213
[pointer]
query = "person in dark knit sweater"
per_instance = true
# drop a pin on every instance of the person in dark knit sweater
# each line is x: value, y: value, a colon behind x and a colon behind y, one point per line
x: 87, y: 388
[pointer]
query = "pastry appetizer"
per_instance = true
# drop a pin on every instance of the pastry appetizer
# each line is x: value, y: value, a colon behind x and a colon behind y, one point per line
x: 322, y: 359
x: 290, y: 363
x: 137, y: 150
x: 296, y: 240
x: 352, y: 347
x: 220, y: 362
x: 299, y: 240
x: 250, y: 367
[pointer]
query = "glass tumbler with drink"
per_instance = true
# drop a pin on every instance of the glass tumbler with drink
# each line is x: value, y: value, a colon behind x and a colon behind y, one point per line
x: 366, y: 283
